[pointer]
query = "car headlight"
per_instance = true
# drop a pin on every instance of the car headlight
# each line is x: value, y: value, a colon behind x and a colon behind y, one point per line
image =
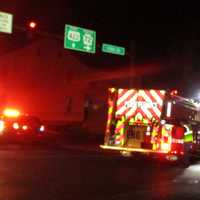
x: 16, y: 126
x: 2, y: 126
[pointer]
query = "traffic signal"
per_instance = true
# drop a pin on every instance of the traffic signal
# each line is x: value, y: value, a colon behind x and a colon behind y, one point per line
x: 32, y: 25
x: 32, y: 29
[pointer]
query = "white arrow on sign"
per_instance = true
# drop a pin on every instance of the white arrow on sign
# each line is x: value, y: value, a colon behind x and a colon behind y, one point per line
x: 87, y: 48
x: 73, y: 45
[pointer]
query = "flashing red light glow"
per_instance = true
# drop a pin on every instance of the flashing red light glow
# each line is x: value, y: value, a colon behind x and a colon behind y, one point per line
x: 9, y: 112
x: 16, y: 126
x: 32, y: 24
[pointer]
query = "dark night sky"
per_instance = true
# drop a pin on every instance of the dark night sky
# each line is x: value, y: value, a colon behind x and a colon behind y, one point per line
x: 155, y: 24
x: 162, y: 31
x: 113, y: 20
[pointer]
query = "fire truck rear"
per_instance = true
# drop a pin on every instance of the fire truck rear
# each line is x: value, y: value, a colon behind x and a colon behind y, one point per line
x: 153, y: 122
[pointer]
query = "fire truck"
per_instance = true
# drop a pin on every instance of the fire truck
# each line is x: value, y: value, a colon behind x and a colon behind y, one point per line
x: 150, y: 121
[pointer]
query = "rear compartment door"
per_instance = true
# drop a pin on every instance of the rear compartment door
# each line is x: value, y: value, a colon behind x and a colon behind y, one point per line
x: 135, y: 136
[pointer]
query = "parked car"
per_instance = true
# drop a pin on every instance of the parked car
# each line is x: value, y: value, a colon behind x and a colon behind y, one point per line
x: 14, y: 123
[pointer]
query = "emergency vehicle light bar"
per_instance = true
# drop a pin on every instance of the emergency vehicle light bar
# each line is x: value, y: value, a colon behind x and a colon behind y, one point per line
x: 10, y: 112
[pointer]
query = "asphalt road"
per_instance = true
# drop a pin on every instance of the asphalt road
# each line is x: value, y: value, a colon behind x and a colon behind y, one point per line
x: 47, y: 173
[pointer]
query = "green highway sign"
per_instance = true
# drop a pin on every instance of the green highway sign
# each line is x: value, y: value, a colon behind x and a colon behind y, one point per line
x: 6, y: 20
x: 79, y: 39
x: 108, y: 48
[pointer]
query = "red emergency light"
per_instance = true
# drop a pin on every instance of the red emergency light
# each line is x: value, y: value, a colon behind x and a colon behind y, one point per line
x: 10, y: 112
